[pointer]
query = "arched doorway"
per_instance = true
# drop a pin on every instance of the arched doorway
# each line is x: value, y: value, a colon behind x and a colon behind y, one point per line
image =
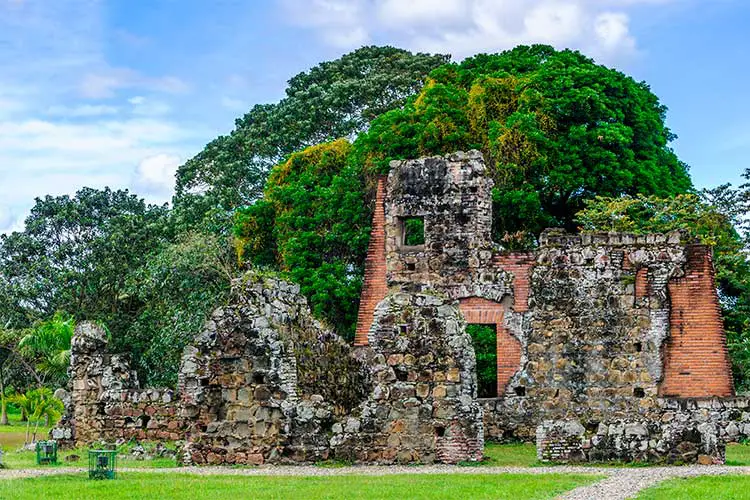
x: 488, y: 313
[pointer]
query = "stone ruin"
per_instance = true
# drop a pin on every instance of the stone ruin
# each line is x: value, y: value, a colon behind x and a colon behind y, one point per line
x: 609, y: 347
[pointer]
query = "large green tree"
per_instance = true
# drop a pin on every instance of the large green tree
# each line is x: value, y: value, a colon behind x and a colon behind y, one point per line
x: 334, y: 99
x: 555, y: 128
x: 313, y: 225
x: 74, y: 255
x: 179, y: 285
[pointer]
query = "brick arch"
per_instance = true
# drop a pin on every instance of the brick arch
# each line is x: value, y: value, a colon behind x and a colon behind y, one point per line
x: 477, y: 310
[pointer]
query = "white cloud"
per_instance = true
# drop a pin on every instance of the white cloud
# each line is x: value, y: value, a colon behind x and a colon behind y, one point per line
x: 419, y: 12
x: 84, y: 110
x: 107, y: 82
x: 612, y: 30
x: 148, y: 107
x: 464, y: 27
x: 7, y: 219
x: 237, y: 105
x: 341, y: 23
x: 156, y: 173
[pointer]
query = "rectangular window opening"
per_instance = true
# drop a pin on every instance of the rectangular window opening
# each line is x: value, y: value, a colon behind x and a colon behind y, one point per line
x: 412, y: 231
x: 484, y: 338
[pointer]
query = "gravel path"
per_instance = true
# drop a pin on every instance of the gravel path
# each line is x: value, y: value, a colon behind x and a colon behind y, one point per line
x: 619, y: 483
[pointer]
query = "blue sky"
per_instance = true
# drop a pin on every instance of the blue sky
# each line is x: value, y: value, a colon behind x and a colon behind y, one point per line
x: 120, y: 92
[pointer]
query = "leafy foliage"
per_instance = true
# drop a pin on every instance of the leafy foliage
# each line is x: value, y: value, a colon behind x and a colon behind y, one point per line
x: 555, y: 128
x: 38, y: 404
x: 485, y: 349
x: 179, y: 285
x: 313, y: 224
x: 48, y: 343
x: 332, y: 100
x: 74, y: 255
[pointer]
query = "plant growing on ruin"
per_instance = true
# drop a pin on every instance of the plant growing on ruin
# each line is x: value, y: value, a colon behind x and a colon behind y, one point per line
x: 313, y: 225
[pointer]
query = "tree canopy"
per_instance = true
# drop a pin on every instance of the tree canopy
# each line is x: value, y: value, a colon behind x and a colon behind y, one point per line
x: 332, y: 100
x: 555, y: 128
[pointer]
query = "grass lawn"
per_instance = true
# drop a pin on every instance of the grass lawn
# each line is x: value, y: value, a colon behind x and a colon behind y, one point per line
x: 179, y: 486
x: 509, y: 455
x: 703, y: 487
x: 12, y: 436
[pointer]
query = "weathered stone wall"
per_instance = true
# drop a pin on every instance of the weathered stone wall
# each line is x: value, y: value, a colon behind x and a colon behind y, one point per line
x: 265, y: 381
x: 423, y: 407
x: 106, y: 402
x: 673, y: 434
x: 596, y: 335
x: 584, y: 323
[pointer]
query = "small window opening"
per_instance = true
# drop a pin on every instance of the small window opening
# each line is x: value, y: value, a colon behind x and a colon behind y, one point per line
x: 144, y: 421
x: 638, y: 347
x: 520, y: 390
x: 412, y: 231
x: 439, y: 431
x: 403, y: 329
x: 401, y: 375
x: 484, y: 338
x: 411, y: 266
x: 639, y: 392
x: 258, y: 378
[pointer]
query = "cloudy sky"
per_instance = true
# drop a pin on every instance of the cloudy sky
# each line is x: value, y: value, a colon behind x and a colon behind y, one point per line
x: 119, y: 92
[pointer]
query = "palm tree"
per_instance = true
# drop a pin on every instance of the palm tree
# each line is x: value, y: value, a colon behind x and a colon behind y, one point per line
x: 26, y: 405
x: 49, y: 342
x: 38, y: 404
x: 46, y: 406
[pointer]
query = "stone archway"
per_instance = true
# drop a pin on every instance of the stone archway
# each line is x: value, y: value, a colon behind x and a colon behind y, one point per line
x: 478, y: 310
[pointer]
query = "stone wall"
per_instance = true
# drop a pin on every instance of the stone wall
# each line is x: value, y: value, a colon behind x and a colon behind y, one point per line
x: 423, y: 407
x: 597, y: 335
x: 590, y: 327
x: 106, y: 402
x: 265, y: 381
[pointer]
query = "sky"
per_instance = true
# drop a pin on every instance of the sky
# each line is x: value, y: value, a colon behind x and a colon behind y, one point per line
x: 119, y: 93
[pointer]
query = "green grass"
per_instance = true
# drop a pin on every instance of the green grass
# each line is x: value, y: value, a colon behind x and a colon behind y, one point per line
x: 703, y: 487
x: 509, y: 455
x: 524, y: 455
x: 12, y: 436
x: 179, y: 486
x: 738, y: 454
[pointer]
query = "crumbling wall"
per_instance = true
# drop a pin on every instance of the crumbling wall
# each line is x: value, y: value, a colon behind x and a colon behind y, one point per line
x: 265, y: 381
x: 106, y: 401
x: 423, y: 406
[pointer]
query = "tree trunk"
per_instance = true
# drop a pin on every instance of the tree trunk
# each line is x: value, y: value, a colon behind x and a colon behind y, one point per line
x: 3, y: 402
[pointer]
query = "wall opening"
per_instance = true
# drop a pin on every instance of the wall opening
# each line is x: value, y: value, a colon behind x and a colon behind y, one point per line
x: 412, y: 231
x: 484, y: 338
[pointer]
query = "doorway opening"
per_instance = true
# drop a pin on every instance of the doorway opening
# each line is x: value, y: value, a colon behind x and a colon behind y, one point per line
x: 484, y: 337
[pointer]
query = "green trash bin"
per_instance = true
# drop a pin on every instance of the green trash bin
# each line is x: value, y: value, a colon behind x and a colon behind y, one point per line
x: 46, y: 452
x: 102, y: 464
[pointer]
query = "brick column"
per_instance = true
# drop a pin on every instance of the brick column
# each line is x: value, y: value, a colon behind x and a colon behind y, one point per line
x: 375, y: 286
x: 696, y: 360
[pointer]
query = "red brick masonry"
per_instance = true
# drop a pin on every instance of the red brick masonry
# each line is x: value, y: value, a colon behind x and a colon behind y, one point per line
x: 696, y: 361
x: 375, y: 286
